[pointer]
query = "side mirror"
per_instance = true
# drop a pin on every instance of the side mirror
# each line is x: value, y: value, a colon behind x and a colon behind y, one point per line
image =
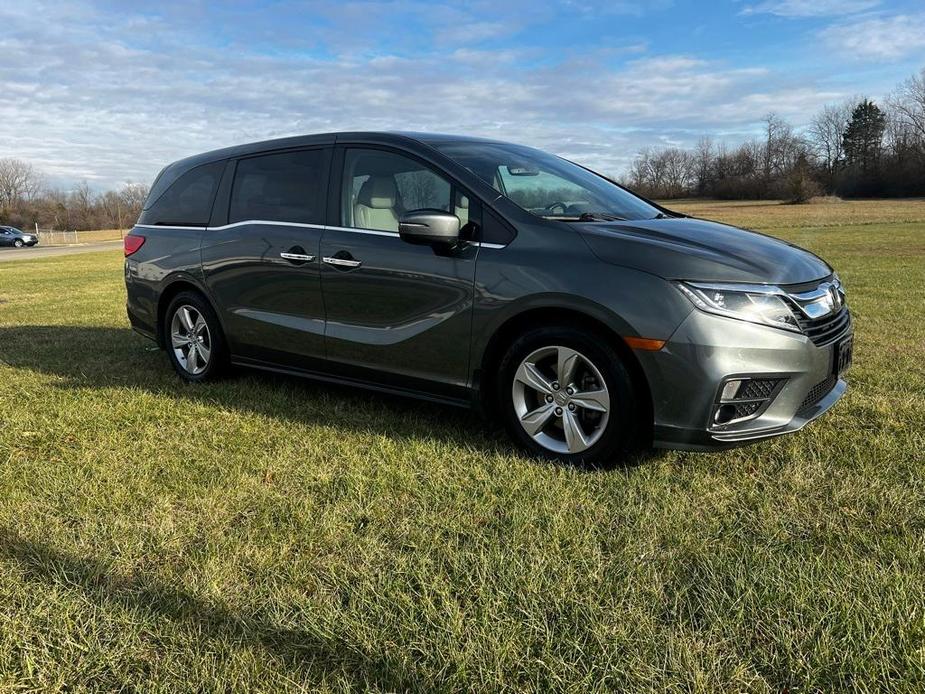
x: 429, y: 227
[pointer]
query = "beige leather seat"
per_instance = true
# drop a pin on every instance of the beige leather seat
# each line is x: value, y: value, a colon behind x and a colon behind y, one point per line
x: 462, y: 210
x: 375, y: 207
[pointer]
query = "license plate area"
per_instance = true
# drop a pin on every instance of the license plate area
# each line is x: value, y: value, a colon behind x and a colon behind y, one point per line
x: 844, y: 351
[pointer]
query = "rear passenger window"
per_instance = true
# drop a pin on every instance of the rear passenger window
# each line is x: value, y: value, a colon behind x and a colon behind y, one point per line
x: 188, y: 200
x: 287, y: 187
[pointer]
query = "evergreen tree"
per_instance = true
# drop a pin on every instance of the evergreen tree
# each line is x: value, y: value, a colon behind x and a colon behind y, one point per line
x: 863, y: 137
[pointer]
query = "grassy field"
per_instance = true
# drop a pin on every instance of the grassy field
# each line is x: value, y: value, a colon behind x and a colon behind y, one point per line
x: 270, y: 534
x: 66, y: 238
x: 825, y: 212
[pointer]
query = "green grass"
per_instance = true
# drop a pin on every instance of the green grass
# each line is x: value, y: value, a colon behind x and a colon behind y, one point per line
x: 268, y: 534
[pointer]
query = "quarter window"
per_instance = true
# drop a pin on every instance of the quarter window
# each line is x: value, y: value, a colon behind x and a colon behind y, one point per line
x: 379, y: 187
x: 286, y: 187
x: 188, y: 200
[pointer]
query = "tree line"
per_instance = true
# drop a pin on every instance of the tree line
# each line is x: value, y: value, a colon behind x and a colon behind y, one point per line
x: 857, y: 148
x: 26, y: 201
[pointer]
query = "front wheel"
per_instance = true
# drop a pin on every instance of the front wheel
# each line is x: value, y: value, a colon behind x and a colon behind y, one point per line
x: 565, y: 394
x: 18, y: 243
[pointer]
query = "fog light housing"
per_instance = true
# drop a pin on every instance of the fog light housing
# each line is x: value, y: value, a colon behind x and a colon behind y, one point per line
x: 740, y: 398
x: 724, y: 414
x: 730, y: 389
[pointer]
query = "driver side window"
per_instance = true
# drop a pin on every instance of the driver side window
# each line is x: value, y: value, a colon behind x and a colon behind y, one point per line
x: 379, y: 187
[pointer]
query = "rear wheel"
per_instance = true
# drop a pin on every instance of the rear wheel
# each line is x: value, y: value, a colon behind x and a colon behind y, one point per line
x: 565, y: 395
x: 193, y: 338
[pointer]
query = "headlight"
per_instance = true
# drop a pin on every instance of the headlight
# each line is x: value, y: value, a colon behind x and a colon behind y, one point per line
x: 753, y: 303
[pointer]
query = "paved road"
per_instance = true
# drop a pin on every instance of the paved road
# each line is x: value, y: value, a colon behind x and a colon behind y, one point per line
x: 52, y: 251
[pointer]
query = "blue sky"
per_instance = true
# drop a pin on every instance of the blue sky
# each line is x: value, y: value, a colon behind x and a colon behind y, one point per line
x: 111, y: 91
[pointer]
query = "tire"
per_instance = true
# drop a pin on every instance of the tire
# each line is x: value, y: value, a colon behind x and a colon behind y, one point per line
x: 191, y: 327
x: 18, y: 243
x: 529, y: 396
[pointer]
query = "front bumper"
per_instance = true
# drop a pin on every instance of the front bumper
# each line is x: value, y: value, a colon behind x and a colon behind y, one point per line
x: 686, y: 376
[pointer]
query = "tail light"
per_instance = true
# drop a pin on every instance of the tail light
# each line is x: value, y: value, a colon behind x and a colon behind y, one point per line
x: 132, y: 243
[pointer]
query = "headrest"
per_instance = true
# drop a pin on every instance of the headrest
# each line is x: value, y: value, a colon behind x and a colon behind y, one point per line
x: 378, y: 192
x: 462, y: 202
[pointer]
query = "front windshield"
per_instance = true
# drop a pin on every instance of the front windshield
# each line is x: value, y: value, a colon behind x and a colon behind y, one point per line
x: 546, y: 185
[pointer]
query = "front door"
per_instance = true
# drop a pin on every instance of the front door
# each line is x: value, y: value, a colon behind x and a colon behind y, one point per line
x: 393, y: 307
x: 262, y: 267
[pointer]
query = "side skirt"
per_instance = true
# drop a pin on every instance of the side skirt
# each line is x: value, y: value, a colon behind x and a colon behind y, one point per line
x: 463, y: 400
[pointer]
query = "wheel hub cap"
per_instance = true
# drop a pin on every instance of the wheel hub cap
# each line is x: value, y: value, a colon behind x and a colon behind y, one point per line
x: 561, y: 399
x: 190, y: 339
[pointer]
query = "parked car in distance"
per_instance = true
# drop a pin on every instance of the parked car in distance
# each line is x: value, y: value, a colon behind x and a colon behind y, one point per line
x: 11, y: 236
x: 587, y: 319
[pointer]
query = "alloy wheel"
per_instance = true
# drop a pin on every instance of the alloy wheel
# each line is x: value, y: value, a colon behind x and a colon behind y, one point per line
x: 561, y: 399
x: 190, y: 339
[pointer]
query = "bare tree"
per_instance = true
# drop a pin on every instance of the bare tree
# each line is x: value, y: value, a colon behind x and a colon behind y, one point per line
x: 908, y: 104
x: 134, y: 194
x: 680, y: 172
x: 113, y: 207
x: 704, y: 164
x: 121, y: 208
x: 665, y: 173
x: 825, y: 133
x: 782, y: 147
x: 82, y: 206
x: 19, y: 181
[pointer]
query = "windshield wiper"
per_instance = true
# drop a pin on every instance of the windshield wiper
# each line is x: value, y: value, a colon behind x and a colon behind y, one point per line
x: 599, y: 217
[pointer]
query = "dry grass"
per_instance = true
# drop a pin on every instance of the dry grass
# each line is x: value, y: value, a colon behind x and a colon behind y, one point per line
x: 66, y: 238
x: 823, y: 212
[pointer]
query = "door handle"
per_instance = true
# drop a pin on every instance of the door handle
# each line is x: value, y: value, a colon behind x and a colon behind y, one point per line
x: 297, y: 256
x: 341, y: 262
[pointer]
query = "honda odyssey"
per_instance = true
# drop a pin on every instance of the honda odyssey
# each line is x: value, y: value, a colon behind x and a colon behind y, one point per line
x: 587, y: 319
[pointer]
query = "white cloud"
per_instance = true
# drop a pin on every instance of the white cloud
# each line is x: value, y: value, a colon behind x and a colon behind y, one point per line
x: 878, y: 38
x: 112, y: 98
x: 810, y: 8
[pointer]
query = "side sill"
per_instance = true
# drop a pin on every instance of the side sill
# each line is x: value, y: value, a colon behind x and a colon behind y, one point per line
x: 465, y: 403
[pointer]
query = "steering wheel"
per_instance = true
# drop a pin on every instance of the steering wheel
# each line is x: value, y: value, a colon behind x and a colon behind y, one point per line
x: 553, y: 206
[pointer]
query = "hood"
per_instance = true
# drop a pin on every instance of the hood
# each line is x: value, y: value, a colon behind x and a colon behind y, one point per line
x: 695, y: 249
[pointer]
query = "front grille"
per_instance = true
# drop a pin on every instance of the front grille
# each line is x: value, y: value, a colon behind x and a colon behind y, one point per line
x: 826, y: 330
x: 817, y: 392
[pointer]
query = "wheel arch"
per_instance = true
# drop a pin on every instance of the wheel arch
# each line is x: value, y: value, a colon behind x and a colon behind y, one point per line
x: 171, y: 289
x: 516, y: 325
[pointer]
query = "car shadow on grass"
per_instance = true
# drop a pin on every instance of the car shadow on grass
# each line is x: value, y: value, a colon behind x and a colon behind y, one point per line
x: 310, y: 654
x: 105, y: 357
